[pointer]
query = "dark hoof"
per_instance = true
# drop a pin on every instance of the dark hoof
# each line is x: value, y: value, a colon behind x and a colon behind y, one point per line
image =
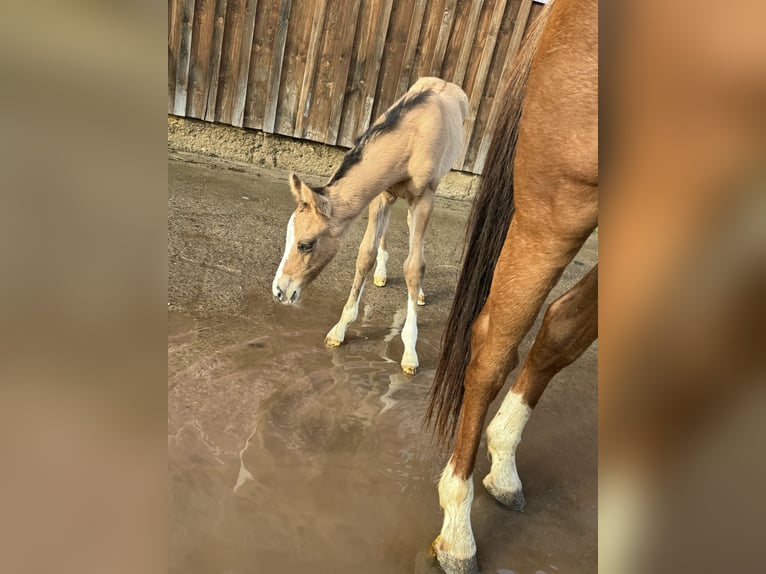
x: 452, y: 565
x: 513, y: 500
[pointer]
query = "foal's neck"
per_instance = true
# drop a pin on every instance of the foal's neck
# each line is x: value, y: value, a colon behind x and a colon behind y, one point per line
x: 354, y: 191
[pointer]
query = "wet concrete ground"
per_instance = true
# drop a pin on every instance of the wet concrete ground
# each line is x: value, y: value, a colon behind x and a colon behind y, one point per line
x: 286, y: 457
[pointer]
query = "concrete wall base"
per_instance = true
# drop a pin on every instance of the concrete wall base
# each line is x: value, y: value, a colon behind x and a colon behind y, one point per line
x: 281, y: 152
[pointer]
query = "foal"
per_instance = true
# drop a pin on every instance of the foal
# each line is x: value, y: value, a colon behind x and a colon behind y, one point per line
x: 536, y: 205
x: 405, y: 153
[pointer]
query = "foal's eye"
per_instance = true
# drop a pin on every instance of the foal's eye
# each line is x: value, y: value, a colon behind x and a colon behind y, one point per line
x: 306, y: 246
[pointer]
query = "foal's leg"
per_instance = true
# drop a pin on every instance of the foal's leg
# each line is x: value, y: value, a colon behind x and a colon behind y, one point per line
x: 380, y: 276
x: 379, y: 210
x: 414, y: 266
x: 570, y: 325
x: 530, y: 263
x: 421, y: 295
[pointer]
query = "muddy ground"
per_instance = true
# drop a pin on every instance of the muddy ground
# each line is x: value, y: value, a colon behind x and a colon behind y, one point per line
x: 286, y: 457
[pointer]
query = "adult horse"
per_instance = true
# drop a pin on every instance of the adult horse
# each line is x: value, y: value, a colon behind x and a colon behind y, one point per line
x: 536, y: 205
x: 405, y: 153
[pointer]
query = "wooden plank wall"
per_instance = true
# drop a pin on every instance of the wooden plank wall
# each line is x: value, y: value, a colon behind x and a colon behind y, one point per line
x: 323, y: 70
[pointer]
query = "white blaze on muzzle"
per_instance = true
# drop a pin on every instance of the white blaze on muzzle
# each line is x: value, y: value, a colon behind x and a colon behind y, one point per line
x: 276, y: 290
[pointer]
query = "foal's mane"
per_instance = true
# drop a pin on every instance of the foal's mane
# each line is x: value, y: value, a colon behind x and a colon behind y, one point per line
x: 388, y: 122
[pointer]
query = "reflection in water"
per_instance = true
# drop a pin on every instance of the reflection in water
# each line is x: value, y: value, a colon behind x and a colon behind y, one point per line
x: 298, y: 469
x: 244, y: 474
x: 285, y: 457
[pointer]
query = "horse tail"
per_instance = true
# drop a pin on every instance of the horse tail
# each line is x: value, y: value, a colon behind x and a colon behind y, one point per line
x: 487, y: 227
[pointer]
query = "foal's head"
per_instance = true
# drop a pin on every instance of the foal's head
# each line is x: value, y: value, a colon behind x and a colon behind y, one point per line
x: 312, y: 241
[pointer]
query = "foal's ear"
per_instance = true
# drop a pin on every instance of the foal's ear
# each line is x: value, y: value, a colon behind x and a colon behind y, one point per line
x: 298, y: 188
x: 305, y: 195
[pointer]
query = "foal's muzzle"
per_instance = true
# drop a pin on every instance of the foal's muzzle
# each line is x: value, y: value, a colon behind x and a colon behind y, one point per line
x: 285, y: 291
x: 280, y: 296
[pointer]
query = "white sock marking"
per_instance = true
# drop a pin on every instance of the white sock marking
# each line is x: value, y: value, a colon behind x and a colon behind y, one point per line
x: 410, y: 335
x: 503, y: 436
x: 380, y: 266
x: 455, y: 498
x: 348, y: 316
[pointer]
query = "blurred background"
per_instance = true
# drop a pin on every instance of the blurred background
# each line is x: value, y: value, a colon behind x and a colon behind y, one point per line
x: 82, y: 287
x: 683, y: 246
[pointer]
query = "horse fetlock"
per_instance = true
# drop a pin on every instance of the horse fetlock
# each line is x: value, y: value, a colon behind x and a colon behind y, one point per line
x: 503, y: 437
x: 455, y: 548
x: 503, y: 481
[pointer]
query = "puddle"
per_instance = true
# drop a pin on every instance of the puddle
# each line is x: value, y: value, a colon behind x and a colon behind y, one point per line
x: 286, y: 457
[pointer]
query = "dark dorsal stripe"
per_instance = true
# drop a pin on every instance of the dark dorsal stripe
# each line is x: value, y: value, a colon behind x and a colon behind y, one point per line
x: 318, y: 190
x: 389, y: 122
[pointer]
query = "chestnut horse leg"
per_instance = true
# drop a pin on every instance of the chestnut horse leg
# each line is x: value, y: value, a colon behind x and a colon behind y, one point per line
x: 379, y: 211
x: 570, y: 325
x: 536, y: 250
x: 414, y: 267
